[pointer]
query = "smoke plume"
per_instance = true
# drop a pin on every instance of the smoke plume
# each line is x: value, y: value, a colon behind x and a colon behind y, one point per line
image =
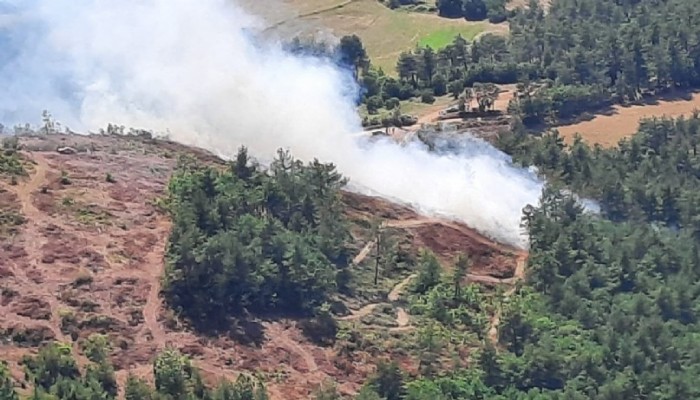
x: 193, y: 69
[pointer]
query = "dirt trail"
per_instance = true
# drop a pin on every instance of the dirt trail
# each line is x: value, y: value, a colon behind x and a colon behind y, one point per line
x: 393, y: 296
x: 24, y: 193
x: 396, y: 291
x: 496, y: 319
x: 280, y: 337
x: 309, y: 14
x: 363, y: 253
x: 403, y: 318
x: 154, y: 260
x: 33, y: 246
x: 362, y: 312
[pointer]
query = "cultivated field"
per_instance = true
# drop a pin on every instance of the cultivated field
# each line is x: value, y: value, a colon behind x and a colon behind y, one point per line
x: 608, y: 129
x: 386, y: 33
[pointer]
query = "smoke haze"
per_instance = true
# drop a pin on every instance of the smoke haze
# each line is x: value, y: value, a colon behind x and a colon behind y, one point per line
x: 192, y: 69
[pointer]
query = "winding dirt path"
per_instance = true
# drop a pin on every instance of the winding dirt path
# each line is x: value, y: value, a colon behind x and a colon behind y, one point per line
x: 38, y: 179
x: 362, y: 312
x: 398, y: 289
x: 403, y: 318
x: 393, y: 296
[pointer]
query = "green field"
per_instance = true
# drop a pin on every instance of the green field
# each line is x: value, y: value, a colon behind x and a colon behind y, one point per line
x: 442, y: 37
x: 386, y: 33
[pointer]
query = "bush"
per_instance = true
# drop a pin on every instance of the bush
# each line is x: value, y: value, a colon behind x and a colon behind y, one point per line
x: 497, y: 16
x: 65, y: 180
x: 374, y: 103
x: 392, y: 103
x: 439, y: 85
x: 427, y: 97
x: 10, y: 144
x: 323, y: 328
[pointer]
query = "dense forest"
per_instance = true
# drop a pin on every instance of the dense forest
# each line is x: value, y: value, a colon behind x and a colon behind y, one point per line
x: 255, y: 240
x: 609, y: 309
x: 582, y: 55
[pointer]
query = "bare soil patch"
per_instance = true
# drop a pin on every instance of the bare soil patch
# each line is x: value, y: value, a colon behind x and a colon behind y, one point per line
x: 622, y: 121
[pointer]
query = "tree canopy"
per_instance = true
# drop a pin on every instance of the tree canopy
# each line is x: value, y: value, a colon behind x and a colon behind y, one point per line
x: 582, y: 55
x: 249, y: 239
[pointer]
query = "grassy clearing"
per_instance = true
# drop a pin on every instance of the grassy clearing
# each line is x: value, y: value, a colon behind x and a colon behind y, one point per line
x: 416, y: 107
x: 386, y: 33
x: 412, y: 106
x: 442, y: 37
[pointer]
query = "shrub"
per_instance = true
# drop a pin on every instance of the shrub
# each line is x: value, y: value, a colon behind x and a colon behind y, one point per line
x: 65, y: 180
x: 374, y: 103
x: 392, y: 103
x: 427, y: 97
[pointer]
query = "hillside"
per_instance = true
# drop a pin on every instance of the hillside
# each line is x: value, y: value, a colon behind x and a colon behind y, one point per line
x: 83, y: 246
x: 385, y: 32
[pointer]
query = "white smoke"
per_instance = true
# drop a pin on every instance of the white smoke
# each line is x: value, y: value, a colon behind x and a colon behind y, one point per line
x: 191, y: 68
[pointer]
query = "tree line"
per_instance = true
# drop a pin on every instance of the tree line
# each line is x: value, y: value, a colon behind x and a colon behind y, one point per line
x: 609, y: 308
x: 473, y: 10
x: 580, y: 56
x: 249, y: 239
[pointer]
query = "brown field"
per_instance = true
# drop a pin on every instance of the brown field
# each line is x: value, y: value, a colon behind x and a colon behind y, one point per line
x: 607, y: 130
x: 88, y: 257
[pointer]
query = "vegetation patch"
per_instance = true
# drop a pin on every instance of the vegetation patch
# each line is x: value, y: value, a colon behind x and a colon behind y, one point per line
x: 27, y: 336
x: 439, y: 39
x: 272, y: 241
x: 54, y: 373
x: 11, y: 164
x: 10, y: 221
x: 86, y: 214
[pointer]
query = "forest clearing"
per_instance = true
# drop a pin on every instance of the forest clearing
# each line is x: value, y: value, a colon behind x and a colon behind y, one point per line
x: 608, y: 128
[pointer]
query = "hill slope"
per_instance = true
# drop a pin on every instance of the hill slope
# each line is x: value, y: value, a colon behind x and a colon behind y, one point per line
x: 86, y: 255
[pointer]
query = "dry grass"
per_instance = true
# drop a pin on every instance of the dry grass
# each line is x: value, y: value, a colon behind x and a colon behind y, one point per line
x: 386, y: 33
x: 607, y: 130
